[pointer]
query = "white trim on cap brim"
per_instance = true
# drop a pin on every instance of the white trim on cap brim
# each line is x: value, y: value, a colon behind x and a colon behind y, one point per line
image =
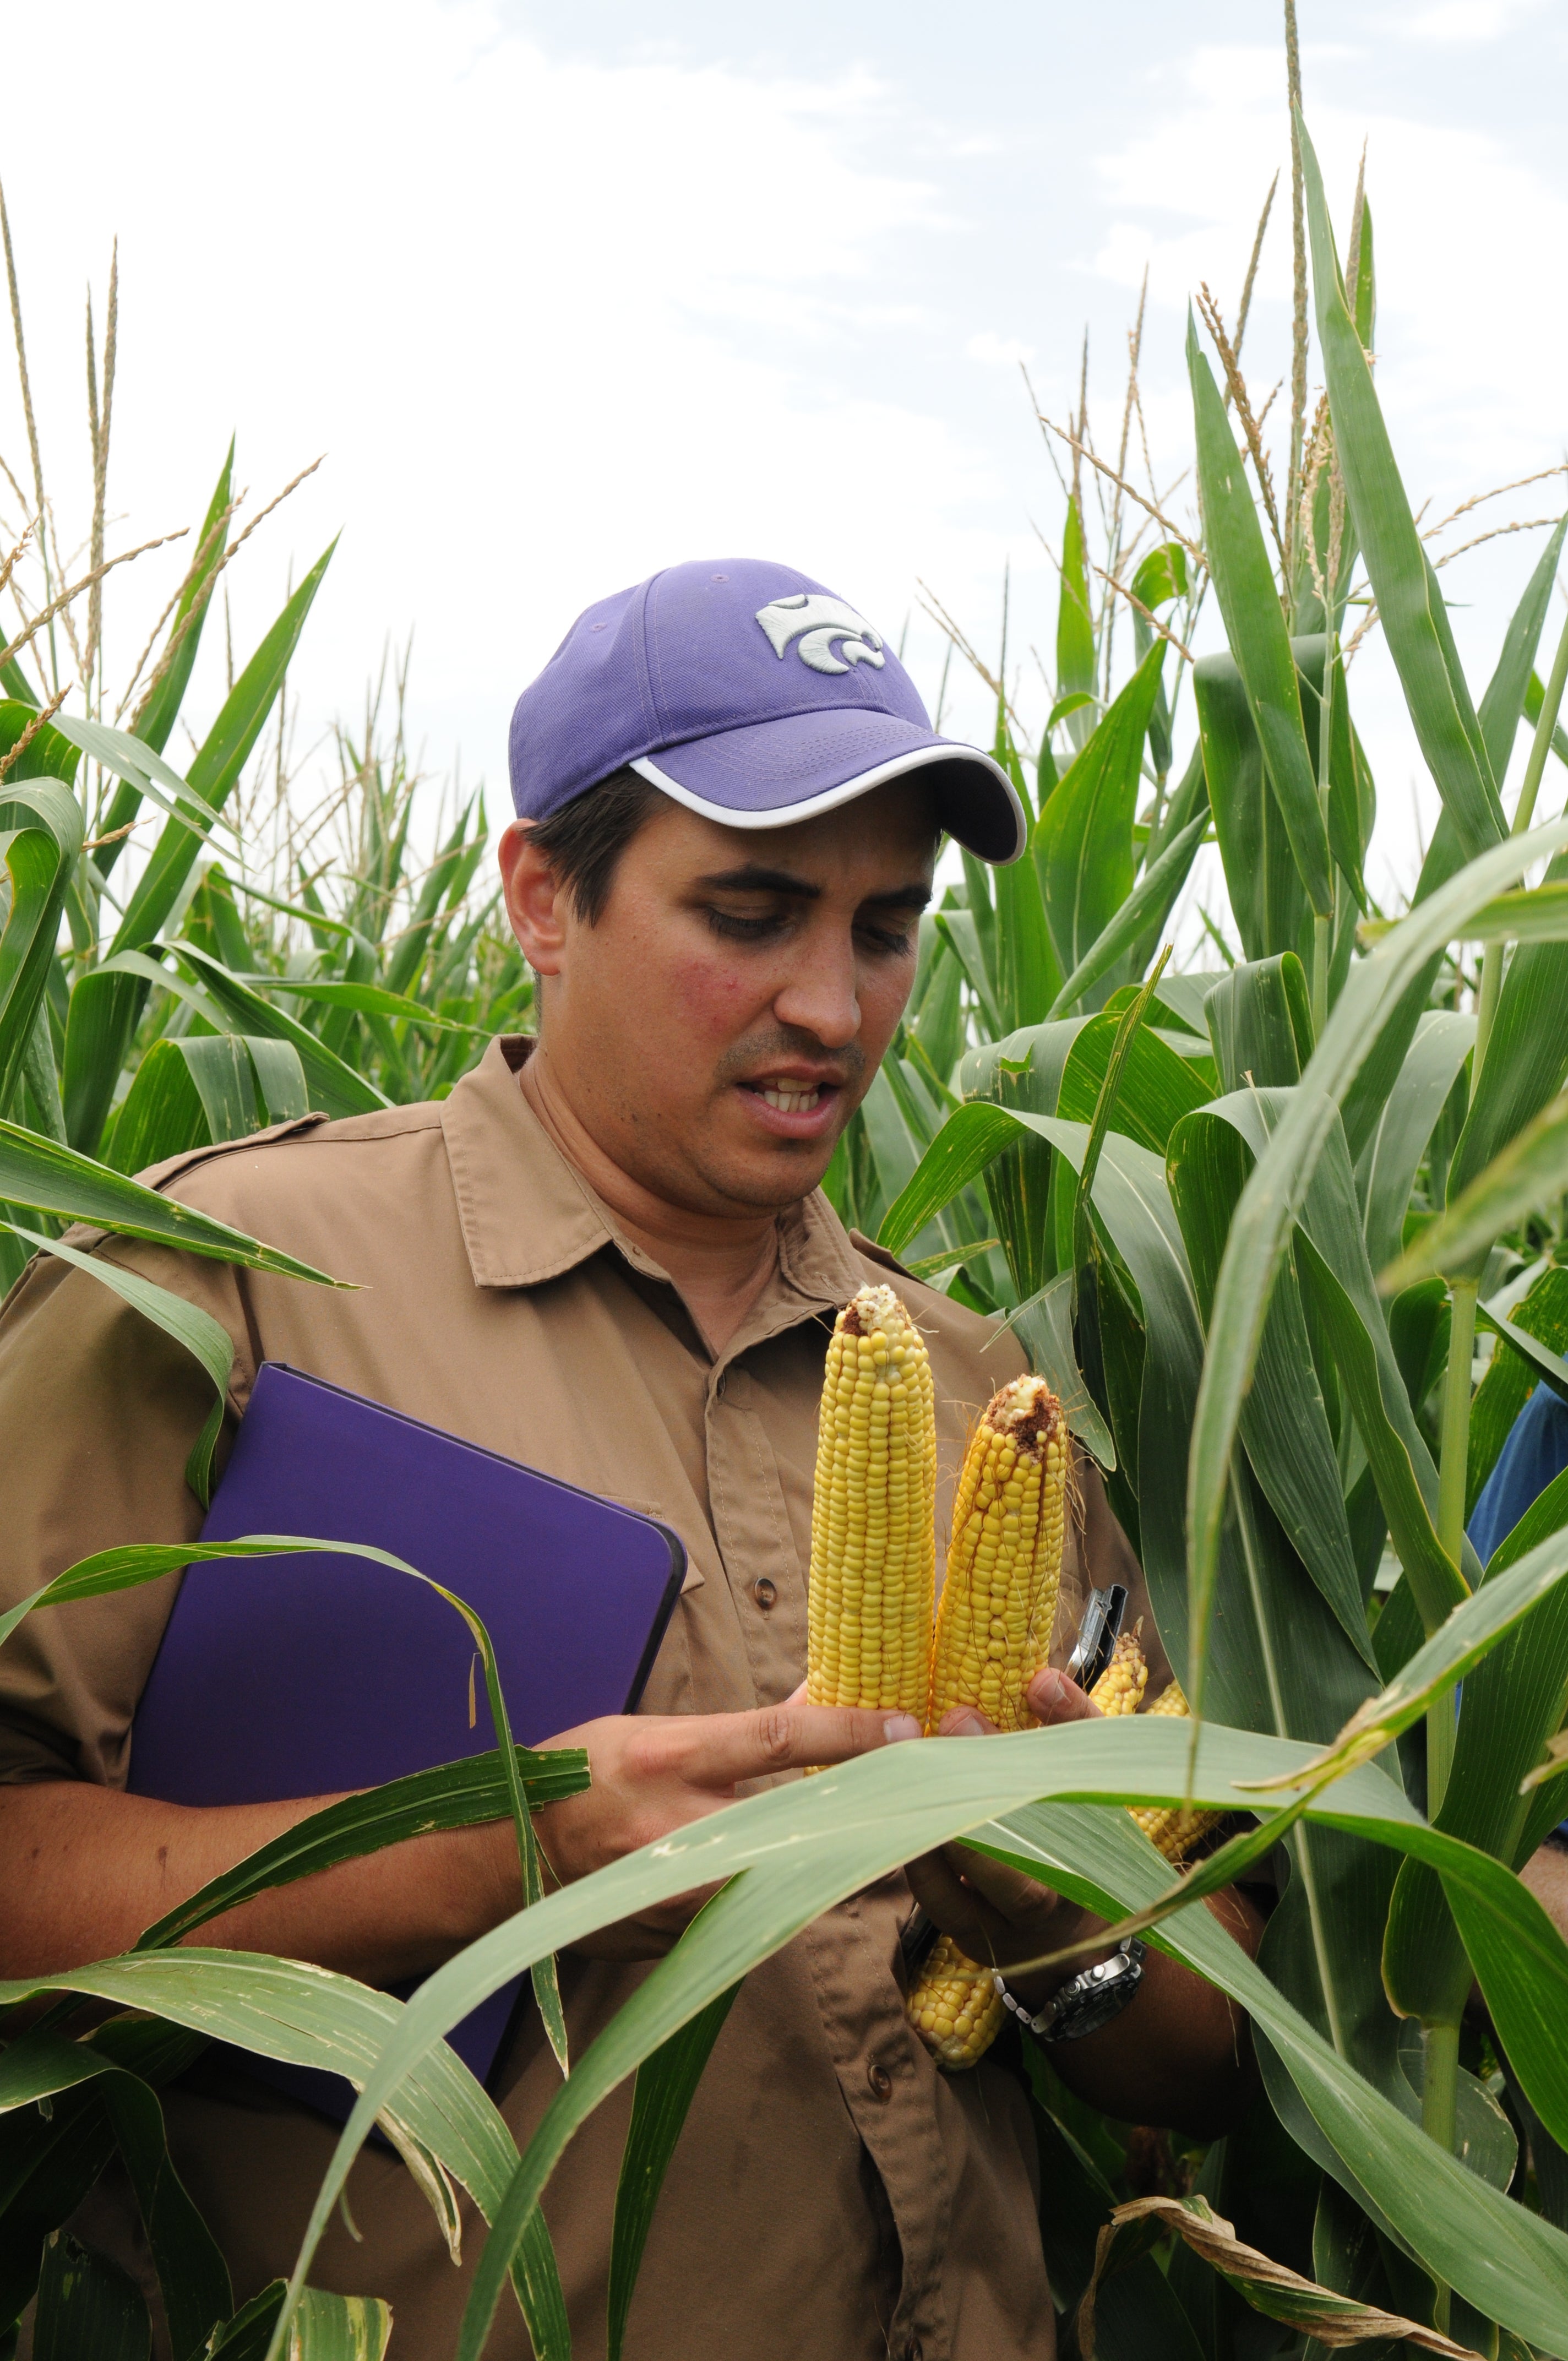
x: 786, y: 815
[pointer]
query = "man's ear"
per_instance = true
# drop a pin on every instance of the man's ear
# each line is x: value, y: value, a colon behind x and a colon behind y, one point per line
x: 535, y: 904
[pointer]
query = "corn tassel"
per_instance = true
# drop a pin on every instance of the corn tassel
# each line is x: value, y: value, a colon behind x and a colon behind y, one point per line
x: 999, y: 1597
x: 873, y: 1513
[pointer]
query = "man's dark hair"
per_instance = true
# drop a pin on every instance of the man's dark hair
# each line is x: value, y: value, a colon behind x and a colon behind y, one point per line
x: 584, y: 841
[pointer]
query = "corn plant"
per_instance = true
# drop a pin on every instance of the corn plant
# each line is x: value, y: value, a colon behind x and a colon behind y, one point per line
x: 1249, y: 1221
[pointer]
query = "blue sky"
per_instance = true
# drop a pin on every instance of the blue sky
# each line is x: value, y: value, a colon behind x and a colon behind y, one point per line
x: 562, y: 303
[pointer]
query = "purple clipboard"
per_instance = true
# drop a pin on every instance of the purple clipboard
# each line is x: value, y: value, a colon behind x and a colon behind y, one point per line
x: 306, y: 1675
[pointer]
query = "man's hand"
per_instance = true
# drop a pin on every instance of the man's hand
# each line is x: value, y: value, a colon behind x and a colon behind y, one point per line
x: 1179, y: 2053
x: 653, y: 1774
x: 995, y: 1914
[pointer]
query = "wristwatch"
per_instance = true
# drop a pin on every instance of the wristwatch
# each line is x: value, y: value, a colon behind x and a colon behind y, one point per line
x: 1086, y: 2000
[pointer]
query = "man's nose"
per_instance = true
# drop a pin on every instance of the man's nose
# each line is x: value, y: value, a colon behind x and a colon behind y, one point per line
x: 819, y: 995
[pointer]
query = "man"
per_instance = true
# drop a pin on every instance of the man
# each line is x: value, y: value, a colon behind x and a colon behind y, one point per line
x: 606, y: 1254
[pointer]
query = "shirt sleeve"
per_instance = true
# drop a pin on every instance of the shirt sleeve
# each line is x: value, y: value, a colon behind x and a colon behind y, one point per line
x: 99, y: 1408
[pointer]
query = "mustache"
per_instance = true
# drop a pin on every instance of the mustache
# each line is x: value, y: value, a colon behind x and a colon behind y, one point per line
x: 781, y: 1043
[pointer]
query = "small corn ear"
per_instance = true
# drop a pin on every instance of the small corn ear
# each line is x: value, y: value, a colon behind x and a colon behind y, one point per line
x: 955, y: 2007
x: 1171, y: 1828
x: 1120, y: 1688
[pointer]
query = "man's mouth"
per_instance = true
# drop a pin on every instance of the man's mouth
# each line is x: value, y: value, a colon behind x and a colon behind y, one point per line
x: 790, y: 1098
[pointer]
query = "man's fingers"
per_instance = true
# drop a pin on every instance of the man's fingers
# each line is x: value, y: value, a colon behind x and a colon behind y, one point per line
x: 722, y: 1748
x: 1053, y: 1698
x: 966, y: 1721
x: 1016, y: 1895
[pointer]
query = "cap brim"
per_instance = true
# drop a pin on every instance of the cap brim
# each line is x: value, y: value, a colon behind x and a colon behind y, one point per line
x: 772, y: 774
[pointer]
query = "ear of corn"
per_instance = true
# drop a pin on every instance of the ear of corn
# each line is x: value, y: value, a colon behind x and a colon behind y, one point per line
x: 999, y: 1602
x: 1171, y: 1828
x: 1120, y: 1688
x: 873, y: 1513
x: 999, y: 1597
x: 955, y: 2006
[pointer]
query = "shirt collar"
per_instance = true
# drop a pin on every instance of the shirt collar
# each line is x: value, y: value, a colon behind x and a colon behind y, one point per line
x: 527, y: 1215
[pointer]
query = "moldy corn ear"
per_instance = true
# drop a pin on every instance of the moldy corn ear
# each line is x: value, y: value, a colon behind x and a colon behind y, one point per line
x: 873, y: 1513
x: 999, y: 1598
x: 955, y: 2007
x: 1168, y: 1827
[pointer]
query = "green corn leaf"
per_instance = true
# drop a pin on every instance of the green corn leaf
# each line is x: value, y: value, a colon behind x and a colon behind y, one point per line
x: 206, y: 1339
x: 663, y: 2091
x: 1510, y: 1377
x: 41, y: 837
x: 1284, y: 1423
x: 335, y: 1087
x: 1260, y: 1021
x: 122, y: 1569
x: 1159, y: 1086
x: 1044, y: 1327
x: 1414, y: 619
x: 454, y: 1795
x: 1267, y: 900
x: 369, y: 998
x: 1075, y: 632
x: 959, y: 931
x: 1278, y: 1186
x: 325, y: 2328
x: 830, y: 1836
x: 158, y: 721
x: 217, y: 764
x: 1538, y: 1358
x: 1539, y: 916
x: 39, y: 1173
x: 1243, y: 584
x: 1508, y: 691
x: 87, y: 2306
x: 1386, y: 1171
x: 1083, y: 840
x: 1148, y: 907
x: 133, y: 760
x: 1526, y: 1058
x: 49, y: 755
x: 1531, y: 1169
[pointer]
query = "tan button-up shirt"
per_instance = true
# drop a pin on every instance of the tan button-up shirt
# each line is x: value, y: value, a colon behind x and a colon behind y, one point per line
x: 833, y: 2195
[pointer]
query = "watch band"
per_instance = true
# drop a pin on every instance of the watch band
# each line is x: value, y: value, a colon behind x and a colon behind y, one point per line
x: 1086, y: 2000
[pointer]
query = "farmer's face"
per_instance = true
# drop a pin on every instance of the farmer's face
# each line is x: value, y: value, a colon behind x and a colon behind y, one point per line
x: 718, y: 1027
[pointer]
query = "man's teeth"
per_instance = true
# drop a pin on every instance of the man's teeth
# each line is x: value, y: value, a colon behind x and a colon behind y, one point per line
x: 789, y: 1098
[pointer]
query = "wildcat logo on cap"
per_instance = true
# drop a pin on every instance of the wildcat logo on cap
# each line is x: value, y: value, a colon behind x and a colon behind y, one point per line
x: 822, y: 620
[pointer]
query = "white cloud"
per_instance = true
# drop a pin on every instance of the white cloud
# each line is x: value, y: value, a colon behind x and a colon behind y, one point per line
x: 1465, y: 21
x: 999, y: 352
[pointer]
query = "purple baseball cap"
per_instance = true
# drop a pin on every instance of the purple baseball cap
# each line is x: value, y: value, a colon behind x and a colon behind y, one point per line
x: 751, y: 695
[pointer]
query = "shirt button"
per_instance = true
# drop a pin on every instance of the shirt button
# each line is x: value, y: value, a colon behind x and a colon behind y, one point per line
x: 763, y: 1592
x: 880, y: 2080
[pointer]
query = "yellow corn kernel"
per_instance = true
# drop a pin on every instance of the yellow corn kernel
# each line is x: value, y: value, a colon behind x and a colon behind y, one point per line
x: 955, y: 2007
x: 1170, y: 1828
x: 873, y: 1513
x: 1120, y: 1688
x: 999, y: 1595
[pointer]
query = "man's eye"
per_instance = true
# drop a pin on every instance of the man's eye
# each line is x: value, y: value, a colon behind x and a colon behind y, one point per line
x: 735, y: 926
x: 888, y: 940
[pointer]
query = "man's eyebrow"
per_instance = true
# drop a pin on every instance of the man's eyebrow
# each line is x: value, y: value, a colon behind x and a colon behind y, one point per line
x: 751, y: 877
